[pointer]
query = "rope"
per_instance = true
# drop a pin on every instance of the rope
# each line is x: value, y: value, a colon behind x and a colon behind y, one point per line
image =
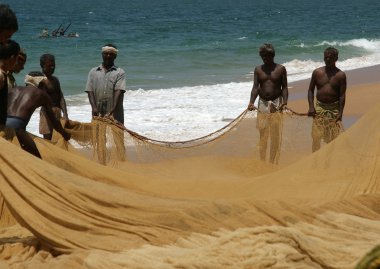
x: 183, y: 143
x: 171, y: 143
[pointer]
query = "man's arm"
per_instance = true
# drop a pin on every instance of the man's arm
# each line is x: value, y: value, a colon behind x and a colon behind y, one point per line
x: 310, y: 94
x: 342, y: 96
x: 91, y: 98
x: 254, y: 91
x: 119, y: 90
x: 3, y: 80
x: 91, y: 95
x: 284, y: 86
x: 117, y: 98
x: 50, y: 114
x: 62, y: 101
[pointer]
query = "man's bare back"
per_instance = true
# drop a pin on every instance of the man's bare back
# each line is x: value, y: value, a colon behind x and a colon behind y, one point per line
x: 23, y: 101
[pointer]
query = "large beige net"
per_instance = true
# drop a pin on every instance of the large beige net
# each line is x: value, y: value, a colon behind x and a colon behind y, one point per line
x: 276, y: 138
x: 251, y: 195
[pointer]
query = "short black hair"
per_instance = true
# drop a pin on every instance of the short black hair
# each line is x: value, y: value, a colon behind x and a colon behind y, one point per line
x: 267, y: 49
x: 332, y: 51
x: 45, y: 57
x: 35, y: 74
x: 8, y: 19
x: 8, y: 49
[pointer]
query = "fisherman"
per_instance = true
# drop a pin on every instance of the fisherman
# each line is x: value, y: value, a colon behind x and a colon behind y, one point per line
x: 22, y: 102
x: 53, y: 89
x: 271, y: 86
x: 61, y: 32
x: 331, y: 84
x: 8, y: 56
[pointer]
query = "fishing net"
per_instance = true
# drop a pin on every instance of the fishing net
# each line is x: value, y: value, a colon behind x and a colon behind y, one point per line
x: 250, y: 195
x: 274, y: 138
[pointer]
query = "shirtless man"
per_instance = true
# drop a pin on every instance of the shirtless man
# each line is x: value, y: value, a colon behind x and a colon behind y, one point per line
x: 271, y: 86
x: 8, y: 56
x: 22, y: 102
x: 47, y: 63
x: 331, y: 84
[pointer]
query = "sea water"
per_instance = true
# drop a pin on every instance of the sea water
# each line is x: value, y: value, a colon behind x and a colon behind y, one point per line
x: 189, y: 63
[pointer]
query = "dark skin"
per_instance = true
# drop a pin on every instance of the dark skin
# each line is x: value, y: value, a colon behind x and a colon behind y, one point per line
x: 331, y: 84
x: 108, y: 62
x: 6, y: 34
x: 270, y: 82
x: 22, y: 102
x: 20, y: 63
x: 53, y: 89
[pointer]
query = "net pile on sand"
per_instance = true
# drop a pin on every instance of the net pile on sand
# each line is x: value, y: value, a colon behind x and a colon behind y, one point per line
x: 111, y: 198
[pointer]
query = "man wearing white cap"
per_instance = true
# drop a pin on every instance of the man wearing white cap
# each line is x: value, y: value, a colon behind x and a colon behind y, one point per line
x: 106, y: 86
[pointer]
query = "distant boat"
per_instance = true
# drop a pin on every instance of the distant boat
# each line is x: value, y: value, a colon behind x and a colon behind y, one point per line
x: 44, y: 33
x: 73, y: 34
x: 59, y: 32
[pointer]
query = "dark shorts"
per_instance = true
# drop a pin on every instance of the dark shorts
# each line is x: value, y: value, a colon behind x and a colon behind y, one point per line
x: 16, y: 123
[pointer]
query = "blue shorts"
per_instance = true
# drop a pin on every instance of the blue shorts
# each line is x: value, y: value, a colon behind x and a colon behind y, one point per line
x: 16, y: 123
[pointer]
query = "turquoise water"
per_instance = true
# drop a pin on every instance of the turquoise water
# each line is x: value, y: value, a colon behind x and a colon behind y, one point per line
x: 189, y: 63
x: 174, y: 43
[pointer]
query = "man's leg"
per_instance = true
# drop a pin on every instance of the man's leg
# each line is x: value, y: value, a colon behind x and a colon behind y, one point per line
x: 47, y: 136
x: 263, y: 127
x: 264, y: 135
x: 275, y: 137
x: 316, y: 133
x: 27, y: 143
x: 118, y: 138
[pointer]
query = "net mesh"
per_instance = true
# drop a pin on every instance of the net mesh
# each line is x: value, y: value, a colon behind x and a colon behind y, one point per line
x: 110, y: 194
x: 276, y: 138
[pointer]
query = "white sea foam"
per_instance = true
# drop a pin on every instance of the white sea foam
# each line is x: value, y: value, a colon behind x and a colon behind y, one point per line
x: 367, y: 44
x: 189, y: 112
x: 171, y: 114
x: 370, y: 55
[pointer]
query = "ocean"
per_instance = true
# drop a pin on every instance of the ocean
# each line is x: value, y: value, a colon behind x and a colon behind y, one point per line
x: 189, y: 63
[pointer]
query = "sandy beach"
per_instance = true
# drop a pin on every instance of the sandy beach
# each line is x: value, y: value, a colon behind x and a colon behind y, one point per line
x: 233, y: 189
x: 220, y: 209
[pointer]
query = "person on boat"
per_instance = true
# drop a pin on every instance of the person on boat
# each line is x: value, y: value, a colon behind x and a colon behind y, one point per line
x: 44, y: 33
